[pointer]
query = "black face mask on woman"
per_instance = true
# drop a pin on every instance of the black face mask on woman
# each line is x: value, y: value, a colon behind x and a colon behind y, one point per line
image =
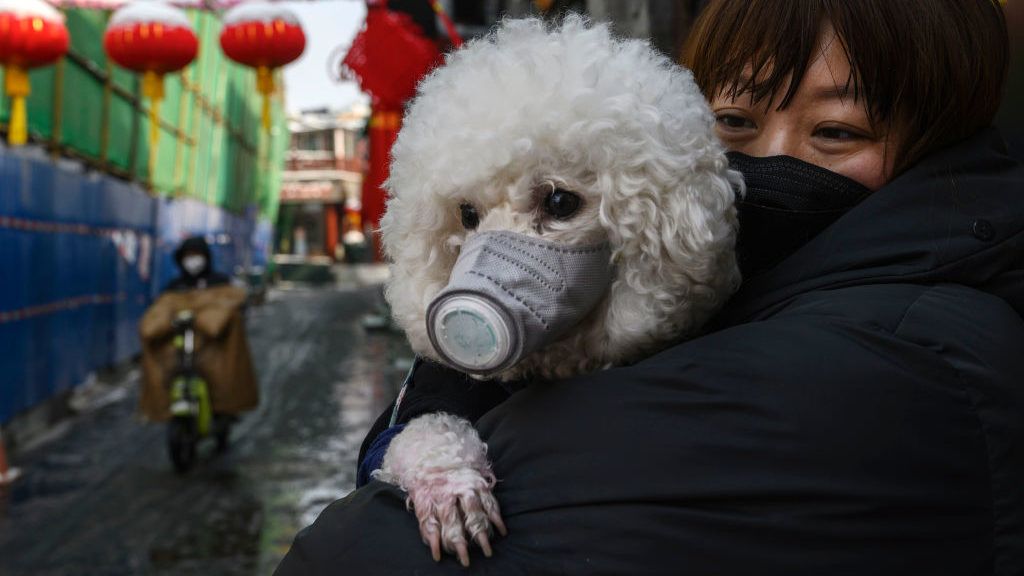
x: 788, y: 202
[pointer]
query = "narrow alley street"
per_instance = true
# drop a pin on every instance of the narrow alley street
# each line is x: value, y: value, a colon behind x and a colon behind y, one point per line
x: 102, y: 499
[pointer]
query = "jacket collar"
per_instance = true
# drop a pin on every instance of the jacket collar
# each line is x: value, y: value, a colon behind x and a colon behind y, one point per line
x: 957, y: 216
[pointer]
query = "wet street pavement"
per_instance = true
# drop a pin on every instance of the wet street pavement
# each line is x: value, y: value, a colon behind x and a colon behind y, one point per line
x: 101, y: 497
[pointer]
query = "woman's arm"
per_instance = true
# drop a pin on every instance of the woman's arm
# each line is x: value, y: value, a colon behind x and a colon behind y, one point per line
x: 799, y: 447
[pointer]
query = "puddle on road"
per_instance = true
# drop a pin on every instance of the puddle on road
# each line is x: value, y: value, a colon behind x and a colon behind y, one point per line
x: 228, y: 534
x: 322, y: 468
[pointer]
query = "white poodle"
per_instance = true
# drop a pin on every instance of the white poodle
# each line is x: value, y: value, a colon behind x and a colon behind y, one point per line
x: 559, y: 204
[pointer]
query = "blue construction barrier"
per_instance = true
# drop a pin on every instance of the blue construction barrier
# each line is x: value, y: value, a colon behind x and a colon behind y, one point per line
x: 82, y: 255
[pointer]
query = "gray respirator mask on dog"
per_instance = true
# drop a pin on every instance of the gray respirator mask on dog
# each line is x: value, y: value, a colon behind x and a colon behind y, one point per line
x: 511, y: 294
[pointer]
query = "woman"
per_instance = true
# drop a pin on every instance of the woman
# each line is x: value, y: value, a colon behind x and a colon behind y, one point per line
x: 858, y: 408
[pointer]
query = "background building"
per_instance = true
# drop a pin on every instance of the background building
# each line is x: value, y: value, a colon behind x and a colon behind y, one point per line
x: 665, y: 22
x: 323, y: 175
x: 88, y: 226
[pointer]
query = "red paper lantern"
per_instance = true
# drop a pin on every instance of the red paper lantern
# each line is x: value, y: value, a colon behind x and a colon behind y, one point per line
x: 145, y: 47
x: 263, y: 36
x: 151, y: 37
x: 390, y: 55
x: 154, y: 39
x: 32, y: 34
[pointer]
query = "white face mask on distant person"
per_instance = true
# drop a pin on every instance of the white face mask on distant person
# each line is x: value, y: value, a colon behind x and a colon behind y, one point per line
x: 194, y: 264
x: 511, y: 294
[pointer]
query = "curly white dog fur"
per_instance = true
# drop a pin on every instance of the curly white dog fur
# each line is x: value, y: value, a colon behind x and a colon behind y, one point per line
x: 510, y: 117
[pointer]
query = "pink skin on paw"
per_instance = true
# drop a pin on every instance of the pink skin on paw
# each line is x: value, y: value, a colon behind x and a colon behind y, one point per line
x: 440, y: 461
x: 459, y: 505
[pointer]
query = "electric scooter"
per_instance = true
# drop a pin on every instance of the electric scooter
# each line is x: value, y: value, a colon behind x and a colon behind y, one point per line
x: 192, y: 417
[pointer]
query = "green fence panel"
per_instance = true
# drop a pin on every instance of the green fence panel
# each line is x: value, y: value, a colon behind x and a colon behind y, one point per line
x: 40, y: 103
x: 141, y: 160
x: 170, y: 109
x: 124, y: 79
x: 86, y: 28
x: 81, y: 110
x: 122, y: 132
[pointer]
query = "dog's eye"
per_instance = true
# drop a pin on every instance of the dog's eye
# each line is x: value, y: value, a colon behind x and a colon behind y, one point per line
x: 561, y: 204
x: 470, y: 218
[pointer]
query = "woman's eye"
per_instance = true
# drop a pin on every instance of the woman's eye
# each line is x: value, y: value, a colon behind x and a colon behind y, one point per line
x: 561, y: 204
x: 470, y: 217
x: 734, y: 122
x: 838, y: 134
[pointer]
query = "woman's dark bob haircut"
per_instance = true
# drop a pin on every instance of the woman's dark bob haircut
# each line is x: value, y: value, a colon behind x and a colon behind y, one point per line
x: 933, y: 70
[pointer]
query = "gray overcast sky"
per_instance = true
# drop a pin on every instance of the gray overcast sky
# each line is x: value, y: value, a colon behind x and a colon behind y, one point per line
x: 328, y: 24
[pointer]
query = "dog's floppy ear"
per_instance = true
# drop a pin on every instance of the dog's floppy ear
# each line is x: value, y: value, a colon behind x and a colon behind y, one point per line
x: 673, y: 230
x: 414, y: 233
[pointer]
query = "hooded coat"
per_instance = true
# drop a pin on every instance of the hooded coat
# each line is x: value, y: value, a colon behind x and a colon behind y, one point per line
x: 205, y: 279
x: 857, y: 409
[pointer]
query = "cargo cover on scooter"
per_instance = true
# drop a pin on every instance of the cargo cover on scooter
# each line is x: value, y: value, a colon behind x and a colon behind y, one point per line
x: 222, y: 348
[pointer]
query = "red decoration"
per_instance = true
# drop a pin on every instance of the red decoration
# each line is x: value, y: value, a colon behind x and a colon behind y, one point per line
x: 263, y: 36
x: 30, y: 41
x: 383, y: 130
x: 154, y: 39
x: 390, y: 55
x: 267, y: 44
x: 151, y: 47
x: 32, y: 34
x: 388, y: 58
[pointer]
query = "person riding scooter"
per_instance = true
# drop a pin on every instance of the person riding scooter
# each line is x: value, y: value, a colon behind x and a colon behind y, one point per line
x: 198, y: 373
x: 195, y: 263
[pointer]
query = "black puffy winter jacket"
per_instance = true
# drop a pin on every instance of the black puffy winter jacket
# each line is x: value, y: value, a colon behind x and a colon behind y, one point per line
x: 858, y: 410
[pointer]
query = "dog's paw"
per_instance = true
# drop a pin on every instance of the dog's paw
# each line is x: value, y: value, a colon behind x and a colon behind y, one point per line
x: 441, y: 463
x: 455, y: 507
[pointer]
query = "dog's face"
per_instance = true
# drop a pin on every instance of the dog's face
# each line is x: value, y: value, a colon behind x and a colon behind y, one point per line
x: 575, y: 137
x: 545, y: 204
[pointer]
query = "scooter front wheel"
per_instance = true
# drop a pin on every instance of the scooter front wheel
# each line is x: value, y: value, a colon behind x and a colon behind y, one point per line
x: 181, y: 443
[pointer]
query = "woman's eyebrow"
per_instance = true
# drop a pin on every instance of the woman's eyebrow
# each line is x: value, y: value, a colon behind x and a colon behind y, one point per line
x: 830, y: 92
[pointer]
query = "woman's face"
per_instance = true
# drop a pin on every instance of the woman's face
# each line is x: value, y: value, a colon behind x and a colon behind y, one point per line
x: 822, y: 124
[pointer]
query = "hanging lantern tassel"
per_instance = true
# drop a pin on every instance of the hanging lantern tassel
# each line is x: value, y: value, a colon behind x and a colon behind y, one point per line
x: 17, y: 87
x: 153, y: 89
x: 265, y: 86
